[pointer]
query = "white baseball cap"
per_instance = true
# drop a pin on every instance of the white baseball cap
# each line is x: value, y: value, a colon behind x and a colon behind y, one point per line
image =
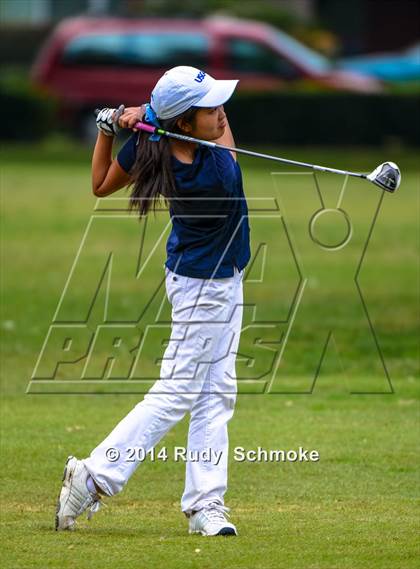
x: 183, y: 87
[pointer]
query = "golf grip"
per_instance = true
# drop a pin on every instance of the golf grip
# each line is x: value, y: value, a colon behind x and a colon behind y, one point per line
x: 139, y: 125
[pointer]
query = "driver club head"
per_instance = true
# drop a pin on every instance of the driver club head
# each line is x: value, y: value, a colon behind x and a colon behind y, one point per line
x: 387, y: 176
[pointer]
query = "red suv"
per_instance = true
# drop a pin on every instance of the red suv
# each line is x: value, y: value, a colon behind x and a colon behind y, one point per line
x: 90, y: 62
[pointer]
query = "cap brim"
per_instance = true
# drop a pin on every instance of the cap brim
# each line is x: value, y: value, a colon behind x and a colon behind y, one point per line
x: 221, y: 92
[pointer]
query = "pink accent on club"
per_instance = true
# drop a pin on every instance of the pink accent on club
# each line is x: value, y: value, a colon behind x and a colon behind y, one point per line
x: 144, y: 126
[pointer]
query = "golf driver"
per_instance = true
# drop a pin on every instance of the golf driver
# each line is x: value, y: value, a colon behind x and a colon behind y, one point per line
x: 387, y: 175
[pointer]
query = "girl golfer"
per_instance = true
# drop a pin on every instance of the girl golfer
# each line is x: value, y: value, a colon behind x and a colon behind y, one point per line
x: 207, y: 251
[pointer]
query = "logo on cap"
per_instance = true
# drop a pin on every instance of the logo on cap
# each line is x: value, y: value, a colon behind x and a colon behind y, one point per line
x: 200, y: 77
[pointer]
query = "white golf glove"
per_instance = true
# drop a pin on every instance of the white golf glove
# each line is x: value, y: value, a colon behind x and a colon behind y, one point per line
x: 107, y: 120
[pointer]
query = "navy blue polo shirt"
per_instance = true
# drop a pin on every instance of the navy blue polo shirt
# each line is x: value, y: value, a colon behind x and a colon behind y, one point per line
x: 210, y: 229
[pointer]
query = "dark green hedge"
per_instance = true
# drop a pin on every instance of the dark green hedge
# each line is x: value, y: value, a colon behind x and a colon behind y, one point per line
x: 25, y: 113
x: 308, y: 118
x: 263, y: 119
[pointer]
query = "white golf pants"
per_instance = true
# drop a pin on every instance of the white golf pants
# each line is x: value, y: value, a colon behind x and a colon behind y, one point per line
x: 197, y: 376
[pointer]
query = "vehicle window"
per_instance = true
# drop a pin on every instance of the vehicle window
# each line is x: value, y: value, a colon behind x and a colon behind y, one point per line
x: 299, y: 52
x: 138, y: 49
x: 249, y: 56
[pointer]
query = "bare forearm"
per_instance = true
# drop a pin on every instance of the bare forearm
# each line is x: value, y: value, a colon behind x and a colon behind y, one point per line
x: 107, y: 175
x: 101, y: 159
x: 229, y: 135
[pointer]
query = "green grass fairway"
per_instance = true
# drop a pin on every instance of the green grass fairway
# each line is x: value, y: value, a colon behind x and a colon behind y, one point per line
x: 356, y: 508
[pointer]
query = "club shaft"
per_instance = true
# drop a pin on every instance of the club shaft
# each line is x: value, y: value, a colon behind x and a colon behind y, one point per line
x: 148, y: 128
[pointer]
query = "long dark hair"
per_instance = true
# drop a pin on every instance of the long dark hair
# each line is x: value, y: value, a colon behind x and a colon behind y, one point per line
x: 152, y: 174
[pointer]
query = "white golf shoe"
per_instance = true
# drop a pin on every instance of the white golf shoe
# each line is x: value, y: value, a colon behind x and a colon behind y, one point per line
x: 211, y: 521
x: 74, y: 497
